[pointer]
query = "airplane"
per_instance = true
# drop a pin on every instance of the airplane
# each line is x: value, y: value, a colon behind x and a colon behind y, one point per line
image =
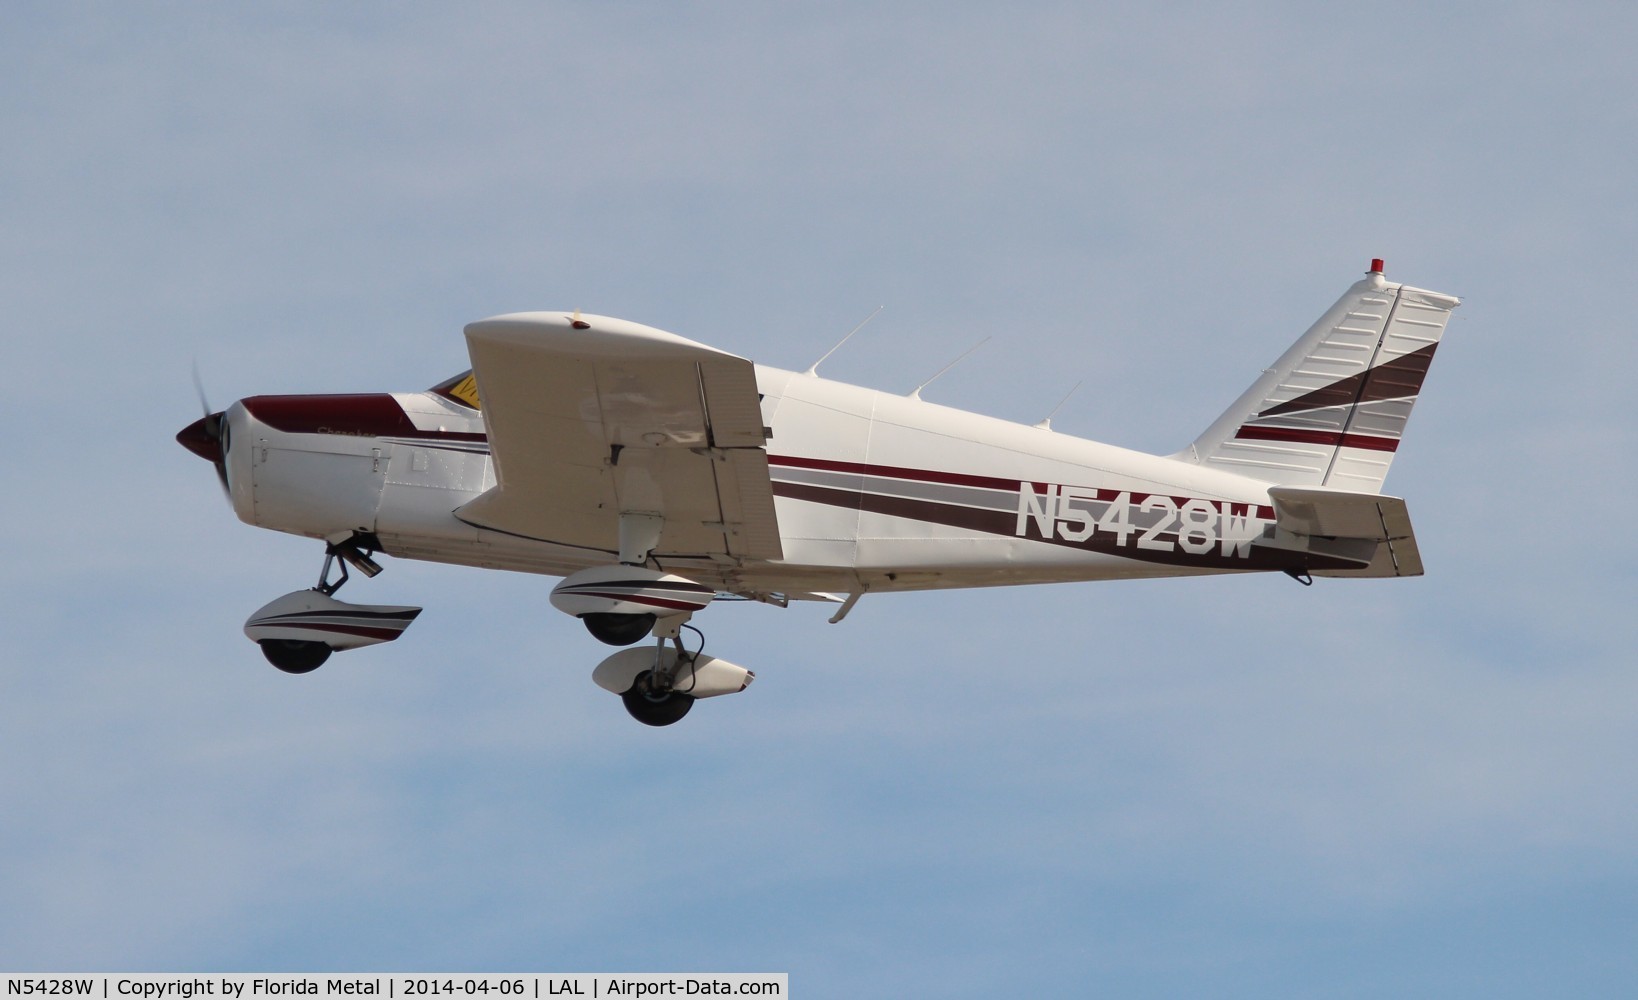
x: 656, y: 474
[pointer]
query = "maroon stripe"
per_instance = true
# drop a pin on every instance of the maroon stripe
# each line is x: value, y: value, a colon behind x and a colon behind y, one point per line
x: 406, y: 616
x: 364, y: 414
x: 1369, y: 442
x: 993, y: 522
x: 359, y: 630
x: 682, y: 585
x: 896, y: 472
x: 958, y: 479
x: 650, y: 600
x: 358, y: 415
x: 1004, y: 523
x: 1401, y: 377
x: 1396, y: 379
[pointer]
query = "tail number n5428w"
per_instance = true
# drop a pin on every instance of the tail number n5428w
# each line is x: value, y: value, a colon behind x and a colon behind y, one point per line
x: 1153, y: 521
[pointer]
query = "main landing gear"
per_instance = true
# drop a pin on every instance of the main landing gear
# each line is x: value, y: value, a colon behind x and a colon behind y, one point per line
x: 298, y: 632
x: 659, y: 684
x: 654, y: 698
x: 620, y: 605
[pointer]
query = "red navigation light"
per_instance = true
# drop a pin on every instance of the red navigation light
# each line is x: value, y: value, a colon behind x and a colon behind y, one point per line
x: 1376, y: 265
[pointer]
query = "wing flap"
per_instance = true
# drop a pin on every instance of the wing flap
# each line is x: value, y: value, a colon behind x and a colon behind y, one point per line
x: 589, y: 417
x: 747, y: 502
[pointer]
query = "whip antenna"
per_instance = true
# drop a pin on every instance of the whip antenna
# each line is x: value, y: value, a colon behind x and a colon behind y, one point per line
x: 916, y: 392
x: 813, y: 369
x: 1046, y: 422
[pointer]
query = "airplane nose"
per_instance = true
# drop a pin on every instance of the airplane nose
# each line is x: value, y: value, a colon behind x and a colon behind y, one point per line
x: 203, y: 437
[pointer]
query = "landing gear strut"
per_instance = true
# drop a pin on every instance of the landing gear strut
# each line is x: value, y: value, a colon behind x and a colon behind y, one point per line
x: 351, y: 554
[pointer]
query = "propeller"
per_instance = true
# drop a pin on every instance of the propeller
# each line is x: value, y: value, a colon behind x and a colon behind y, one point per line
x: 207, y: 437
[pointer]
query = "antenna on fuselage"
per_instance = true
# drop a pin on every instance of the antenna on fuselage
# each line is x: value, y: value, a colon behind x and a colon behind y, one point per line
x: 1046, y: 422
x: 813, y: 369
x: 916, y: 392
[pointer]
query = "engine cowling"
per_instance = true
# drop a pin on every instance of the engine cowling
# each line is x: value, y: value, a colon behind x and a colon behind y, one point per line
x: 629, y: 590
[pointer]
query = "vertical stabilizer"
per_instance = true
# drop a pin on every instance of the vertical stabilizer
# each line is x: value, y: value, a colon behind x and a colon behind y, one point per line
x: 1332, y: 410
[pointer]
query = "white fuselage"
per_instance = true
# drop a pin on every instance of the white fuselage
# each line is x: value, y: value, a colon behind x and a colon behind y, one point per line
x: 873, y: 491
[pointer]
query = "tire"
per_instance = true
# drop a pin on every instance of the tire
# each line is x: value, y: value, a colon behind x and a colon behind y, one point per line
x: 655, y: 710
x: 618, y: 630
x: 295, y: 656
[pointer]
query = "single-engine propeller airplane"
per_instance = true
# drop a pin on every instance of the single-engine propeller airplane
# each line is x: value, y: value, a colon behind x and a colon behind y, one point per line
x: 656, y: 474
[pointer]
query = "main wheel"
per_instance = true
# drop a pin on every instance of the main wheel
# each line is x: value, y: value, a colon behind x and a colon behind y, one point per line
x: 654, y: 709
x: 618, y: 630
x: 295, y: 656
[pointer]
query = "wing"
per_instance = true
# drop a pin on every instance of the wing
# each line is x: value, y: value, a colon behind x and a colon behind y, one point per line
x: 590, y: 417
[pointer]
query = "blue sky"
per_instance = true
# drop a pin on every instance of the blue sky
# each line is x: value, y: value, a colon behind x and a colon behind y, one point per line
x: 1231, y: 787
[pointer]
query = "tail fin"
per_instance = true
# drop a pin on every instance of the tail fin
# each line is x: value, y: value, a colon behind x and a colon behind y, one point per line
x: 1332, y: 409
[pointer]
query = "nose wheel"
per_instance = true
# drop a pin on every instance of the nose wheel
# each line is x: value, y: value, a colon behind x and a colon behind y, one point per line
x: 295, y: 656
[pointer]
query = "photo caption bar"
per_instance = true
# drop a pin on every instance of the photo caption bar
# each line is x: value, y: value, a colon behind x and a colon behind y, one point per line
x: 395, y: 986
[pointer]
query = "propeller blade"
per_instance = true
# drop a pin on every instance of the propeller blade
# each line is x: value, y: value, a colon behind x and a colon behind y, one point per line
x: 199, y: 387
x: 207, y: 436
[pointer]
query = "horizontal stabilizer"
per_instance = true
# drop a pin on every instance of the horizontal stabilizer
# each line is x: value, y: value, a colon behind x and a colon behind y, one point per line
x: 1372, y: 529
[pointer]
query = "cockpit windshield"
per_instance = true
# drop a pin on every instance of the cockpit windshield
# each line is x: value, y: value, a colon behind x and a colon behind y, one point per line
x: 462, y: 388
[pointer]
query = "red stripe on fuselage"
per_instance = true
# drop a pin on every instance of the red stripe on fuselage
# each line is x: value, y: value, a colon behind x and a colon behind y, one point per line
x: 895, y: 472
x: 1012, y: 486
x: 374, y: 414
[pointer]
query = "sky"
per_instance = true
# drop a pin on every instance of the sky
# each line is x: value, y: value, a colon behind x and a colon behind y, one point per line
x: 1224, y: 787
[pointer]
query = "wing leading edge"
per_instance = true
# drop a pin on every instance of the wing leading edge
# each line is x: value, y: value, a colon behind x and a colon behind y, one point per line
x: 590, y: 418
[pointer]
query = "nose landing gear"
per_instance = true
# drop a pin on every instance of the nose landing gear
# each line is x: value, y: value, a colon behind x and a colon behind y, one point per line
x: 298, y: 632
